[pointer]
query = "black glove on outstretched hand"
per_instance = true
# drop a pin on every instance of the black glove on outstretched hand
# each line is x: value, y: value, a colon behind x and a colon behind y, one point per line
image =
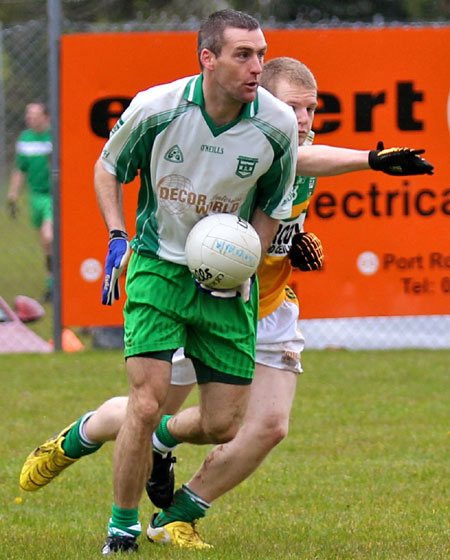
x: 399, y: 161
x: 306, y: 252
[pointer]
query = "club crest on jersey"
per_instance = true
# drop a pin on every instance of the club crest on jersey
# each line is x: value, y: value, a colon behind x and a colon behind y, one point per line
x: 245, y: 166
x: 174, y: 154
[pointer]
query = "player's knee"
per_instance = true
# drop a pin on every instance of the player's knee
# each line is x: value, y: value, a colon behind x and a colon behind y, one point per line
x: 220, y: 436
x: 47, y: 236
x: 271, y: 431
x: 146, y: 410
x: 278, y: 433
x: 220, y: 431
x: 47, y: 240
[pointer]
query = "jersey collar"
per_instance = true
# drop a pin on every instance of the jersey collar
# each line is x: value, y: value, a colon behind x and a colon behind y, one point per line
x: 194, y: 94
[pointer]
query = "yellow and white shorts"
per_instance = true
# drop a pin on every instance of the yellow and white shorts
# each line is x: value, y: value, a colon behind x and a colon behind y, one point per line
x: 279, y: 341
x: 279, y: 344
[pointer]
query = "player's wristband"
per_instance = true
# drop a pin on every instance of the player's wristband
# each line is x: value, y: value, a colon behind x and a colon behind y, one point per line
x: 117, y: 234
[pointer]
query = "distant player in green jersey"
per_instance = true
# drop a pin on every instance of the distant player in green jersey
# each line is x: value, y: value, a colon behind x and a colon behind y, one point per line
x: 32, y: 166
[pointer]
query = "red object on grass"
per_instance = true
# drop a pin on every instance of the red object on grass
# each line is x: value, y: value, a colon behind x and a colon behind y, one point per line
x: 15, y: 337
x: 28, y: 309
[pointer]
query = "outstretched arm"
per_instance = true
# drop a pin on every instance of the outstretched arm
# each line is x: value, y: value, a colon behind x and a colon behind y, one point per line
x: 325, y: 161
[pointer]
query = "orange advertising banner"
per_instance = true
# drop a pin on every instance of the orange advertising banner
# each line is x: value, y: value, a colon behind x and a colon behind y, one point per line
x: 386, y: 239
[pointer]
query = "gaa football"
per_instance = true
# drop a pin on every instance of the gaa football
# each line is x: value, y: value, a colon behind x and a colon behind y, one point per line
x: 222, y: 251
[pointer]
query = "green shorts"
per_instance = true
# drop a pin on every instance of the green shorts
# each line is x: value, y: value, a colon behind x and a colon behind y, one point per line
x: 41, y: 208
x: 165, y: 311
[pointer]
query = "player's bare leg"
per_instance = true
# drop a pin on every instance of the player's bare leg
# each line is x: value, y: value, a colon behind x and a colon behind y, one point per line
x: 265, y: 425
x: 46, y: 236
x: 105, y: 423
x: 86, y: 436
x: 46, y: 240
x: 176, y: 397
x: 216, y: 419
x: 149, y: 382
x: 161, y: 484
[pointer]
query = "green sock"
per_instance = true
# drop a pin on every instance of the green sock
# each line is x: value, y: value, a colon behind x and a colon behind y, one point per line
x: 163, y: 440
x: 75, y: 445
x: 186, y: 506
x: 124, y: 522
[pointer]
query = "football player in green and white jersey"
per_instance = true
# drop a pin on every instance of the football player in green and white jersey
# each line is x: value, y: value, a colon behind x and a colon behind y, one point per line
x: 202, y: 144
x: 32, y: 165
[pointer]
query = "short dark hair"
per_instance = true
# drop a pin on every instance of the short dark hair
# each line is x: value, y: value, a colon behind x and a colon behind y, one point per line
x: 291, y: 70
x: 210, y: 35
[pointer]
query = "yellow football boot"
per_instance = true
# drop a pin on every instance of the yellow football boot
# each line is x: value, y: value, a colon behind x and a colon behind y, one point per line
x: 177, y: 533
x: 45, y: 462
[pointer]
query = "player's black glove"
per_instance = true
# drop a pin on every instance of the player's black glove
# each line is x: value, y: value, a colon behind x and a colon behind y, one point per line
x: 11, y: 208
x: 399, y: 161
x: 306, y: 252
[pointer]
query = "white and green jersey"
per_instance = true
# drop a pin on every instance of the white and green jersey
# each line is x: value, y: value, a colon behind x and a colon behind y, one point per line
x: 190, y: 168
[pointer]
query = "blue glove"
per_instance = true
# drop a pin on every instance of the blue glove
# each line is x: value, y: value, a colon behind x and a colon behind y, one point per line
x: 116, y: 260
x: 244, y: 290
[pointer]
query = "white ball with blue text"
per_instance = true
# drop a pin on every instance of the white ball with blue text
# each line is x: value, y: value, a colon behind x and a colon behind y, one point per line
x: 222, y: 251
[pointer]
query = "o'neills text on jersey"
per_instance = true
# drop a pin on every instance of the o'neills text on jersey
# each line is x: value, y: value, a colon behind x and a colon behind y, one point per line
x: 212, y: 149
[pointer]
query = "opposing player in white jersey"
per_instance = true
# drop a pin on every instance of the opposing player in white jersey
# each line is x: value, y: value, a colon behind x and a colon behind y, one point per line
x: 279, y: 342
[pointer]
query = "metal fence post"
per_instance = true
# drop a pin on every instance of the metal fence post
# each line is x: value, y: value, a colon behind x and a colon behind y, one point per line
x: 2, y: 119
x: 54, y: 35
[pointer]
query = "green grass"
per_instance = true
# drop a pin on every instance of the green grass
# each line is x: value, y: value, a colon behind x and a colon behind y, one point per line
x: 364, y: 473
x: 22, y: 264
x: 23, y: 268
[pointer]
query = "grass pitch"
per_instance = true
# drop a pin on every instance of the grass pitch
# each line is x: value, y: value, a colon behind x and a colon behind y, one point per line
x: 363, y: 475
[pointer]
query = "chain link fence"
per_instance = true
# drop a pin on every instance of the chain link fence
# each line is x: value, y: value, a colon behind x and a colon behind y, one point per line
x: 24, y: 78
